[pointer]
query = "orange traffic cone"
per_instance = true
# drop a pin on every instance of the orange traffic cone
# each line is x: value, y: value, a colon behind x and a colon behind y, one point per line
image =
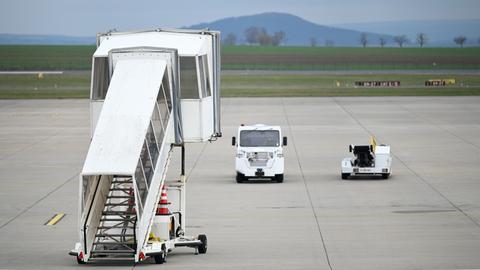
x: 162, y: 205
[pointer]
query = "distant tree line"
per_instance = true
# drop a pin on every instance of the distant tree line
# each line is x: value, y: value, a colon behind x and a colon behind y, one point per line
x: 259, y: 36
x: 402, y: 40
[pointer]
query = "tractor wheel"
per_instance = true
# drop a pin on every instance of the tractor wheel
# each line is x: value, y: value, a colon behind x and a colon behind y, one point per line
x: 279, y: 178
x: 240, y: 178
x: 202, y: 249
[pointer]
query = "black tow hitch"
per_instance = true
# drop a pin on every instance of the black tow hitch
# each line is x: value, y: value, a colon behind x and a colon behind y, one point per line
x: 259, y: 172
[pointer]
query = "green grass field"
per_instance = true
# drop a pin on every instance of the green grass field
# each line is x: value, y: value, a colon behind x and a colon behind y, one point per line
x: 77, y: 85
x: 342, y: 85
x: 50, y: 86
x: 39, y: 57
x: 27, y: 57
x: 340, y: 51
x: 337, y: 58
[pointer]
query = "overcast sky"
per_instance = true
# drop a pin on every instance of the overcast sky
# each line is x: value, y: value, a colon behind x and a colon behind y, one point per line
x: 87, y: 17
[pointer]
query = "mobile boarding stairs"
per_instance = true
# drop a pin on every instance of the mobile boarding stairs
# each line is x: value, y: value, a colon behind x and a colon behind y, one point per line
x: 151, y: 92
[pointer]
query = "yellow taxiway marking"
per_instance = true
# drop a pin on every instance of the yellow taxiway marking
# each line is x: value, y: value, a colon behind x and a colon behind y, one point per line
x: 55, y: 219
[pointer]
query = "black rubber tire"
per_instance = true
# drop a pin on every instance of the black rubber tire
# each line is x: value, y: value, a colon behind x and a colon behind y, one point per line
x: 162, y: 258
x: 202, y: 249
x: 80, y: 261
x: 385, y: 175
x: 279, y: 178
x: 345, y: 176
x: 240, y: 178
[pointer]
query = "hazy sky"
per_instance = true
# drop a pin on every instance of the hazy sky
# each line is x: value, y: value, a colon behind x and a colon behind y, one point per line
x: 87, y: 17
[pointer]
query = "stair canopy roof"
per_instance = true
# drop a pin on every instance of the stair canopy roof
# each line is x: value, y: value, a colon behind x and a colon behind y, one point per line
x: 187, y: 45
x: 125, y: 117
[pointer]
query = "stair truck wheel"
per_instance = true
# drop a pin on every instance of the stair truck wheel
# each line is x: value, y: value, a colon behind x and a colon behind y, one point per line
x: 202, y: 249
x: 80, y: 261
x: 162, y: 257
x: 240, y: 178
x: 279, y: 178
x: 385, y: 175
x: 345, y: 175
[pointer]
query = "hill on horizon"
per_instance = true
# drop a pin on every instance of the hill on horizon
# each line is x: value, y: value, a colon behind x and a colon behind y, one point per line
x: 298, y: 31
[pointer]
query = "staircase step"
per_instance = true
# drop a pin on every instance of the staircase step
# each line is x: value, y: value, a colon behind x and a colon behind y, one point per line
x: 120, y: 197
x: 119, y: 204
x: 121, y: 189
x: 114, y: 235
x: 118, y: 219
x: 122, y: 182
x: 119, y: 213
x: 114, y: 243
x: 103, y: 257
x: 114, y: 227
x: 112, y: 252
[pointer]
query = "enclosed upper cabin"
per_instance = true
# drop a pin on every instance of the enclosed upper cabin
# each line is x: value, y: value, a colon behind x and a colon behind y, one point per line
x: 198, y: 73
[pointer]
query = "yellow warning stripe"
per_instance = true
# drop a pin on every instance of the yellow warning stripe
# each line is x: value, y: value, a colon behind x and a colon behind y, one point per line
x: 55, y: 219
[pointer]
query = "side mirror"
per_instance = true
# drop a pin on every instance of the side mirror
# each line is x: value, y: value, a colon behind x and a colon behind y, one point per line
x: 284, y: 141
x: 234, y: 141
x: 350, y: 148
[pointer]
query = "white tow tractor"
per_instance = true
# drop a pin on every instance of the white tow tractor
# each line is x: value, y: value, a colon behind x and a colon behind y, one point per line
x: 259, y: 152
x: 370, y: 159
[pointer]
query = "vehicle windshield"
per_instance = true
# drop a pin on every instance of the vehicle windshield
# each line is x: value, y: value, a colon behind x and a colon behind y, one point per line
x: 259, y: 138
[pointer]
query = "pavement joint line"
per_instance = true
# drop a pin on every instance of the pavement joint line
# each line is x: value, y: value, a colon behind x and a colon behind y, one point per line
x: 55, y: 219
x: 418, y: 176
x: 199, y: 154
x: 196, y: 162
x: 306, y: 187
x: 28, y: 146
x: 39, y: 200
x: 435, y: 125
x: 32, y: 72
x: 191, y: 171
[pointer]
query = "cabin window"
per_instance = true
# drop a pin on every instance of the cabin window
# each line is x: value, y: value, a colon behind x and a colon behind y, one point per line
x: 101, y: 78
x: 188, y: 77
x: 166, y: 90
x: 204, y: 78
x: 157, y: 126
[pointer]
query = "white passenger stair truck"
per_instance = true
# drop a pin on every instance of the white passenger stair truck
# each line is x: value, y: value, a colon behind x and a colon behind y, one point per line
x: 151, y: 92
x: 259, y: 152
x: 370, y: 159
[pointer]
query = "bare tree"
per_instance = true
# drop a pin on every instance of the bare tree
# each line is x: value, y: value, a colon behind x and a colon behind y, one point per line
x: 264, y: 38
x: 422, y: 39
x: 400, y: 40
x: 258, y: 35
x: 364, y: 39
x: 230, y: 40
x: 277, y: 38
x: 329, y: 43
x: 252, y: 35
x: 313, y: 42
x: 383, y: 41
x: 460, y: 40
